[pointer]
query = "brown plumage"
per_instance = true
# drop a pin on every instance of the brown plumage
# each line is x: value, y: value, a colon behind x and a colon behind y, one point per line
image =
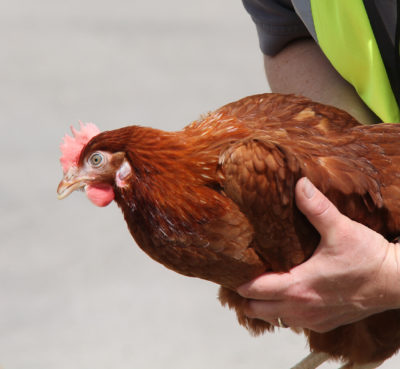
x: 216, y: 200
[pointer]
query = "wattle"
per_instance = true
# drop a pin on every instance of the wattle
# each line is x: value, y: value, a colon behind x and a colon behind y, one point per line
x: 100, y: 195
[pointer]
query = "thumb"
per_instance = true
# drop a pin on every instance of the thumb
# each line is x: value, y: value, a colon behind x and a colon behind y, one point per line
x: 322, y: 214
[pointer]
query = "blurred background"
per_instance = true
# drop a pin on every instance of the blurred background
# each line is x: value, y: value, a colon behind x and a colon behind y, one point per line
x: 75, y: 291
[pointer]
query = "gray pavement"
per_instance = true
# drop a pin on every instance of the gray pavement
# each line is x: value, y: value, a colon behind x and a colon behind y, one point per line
x: 75, y: 291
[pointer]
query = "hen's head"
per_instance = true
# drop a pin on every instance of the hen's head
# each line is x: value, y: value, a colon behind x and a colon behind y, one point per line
x: 86, y: 167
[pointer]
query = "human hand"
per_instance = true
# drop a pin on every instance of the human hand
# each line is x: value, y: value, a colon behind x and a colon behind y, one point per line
x: 353, y: 273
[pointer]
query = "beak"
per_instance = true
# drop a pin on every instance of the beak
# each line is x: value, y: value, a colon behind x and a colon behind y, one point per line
x: 73, y: 180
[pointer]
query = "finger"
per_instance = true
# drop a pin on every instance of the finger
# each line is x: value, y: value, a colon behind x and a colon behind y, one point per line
x: 268, y: 287
x: 317, y: 208
x: 267, y: 311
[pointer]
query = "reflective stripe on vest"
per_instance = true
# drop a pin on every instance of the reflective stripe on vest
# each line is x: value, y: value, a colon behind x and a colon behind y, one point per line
x: 345, y: 36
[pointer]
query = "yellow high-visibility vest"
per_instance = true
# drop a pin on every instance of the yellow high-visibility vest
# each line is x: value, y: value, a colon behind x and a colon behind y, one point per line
x: 344, y: 33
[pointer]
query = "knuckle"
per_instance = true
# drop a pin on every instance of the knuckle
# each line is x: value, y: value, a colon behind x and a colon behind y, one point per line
x: 321, y: 206
x: 316, y: 321
x: 298, y: 291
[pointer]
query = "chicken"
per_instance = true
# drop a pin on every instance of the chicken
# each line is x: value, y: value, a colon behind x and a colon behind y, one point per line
x: 216, y: 200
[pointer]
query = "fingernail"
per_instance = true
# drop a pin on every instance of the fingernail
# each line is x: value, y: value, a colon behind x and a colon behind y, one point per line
x: 308, y: 188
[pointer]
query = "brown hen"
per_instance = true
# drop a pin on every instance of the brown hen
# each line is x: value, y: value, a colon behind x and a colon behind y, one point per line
x: 216, y: 200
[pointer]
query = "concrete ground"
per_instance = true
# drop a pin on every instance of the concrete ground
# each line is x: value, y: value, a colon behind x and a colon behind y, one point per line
x: 75, y: 291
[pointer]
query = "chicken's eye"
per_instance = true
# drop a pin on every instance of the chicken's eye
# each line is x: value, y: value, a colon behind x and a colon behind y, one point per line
x: 96, y: 159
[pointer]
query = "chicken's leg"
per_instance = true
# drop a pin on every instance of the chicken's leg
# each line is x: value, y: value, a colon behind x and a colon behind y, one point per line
x: 312, y: 361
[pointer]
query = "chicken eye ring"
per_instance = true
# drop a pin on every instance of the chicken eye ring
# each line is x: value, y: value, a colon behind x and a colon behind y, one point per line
x: 96, y: 160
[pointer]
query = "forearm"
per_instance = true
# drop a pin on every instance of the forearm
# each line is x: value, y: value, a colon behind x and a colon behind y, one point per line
x: 301, y: 68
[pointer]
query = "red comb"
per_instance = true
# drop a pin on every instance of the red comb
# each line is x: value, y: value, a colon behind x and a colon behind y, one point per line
x: 71, y: 147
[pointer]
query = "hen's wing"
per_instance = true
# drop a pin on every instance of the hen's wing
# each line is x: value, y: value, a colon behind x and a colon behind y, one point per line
x: 260, y: 174
x: 260, y: 177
